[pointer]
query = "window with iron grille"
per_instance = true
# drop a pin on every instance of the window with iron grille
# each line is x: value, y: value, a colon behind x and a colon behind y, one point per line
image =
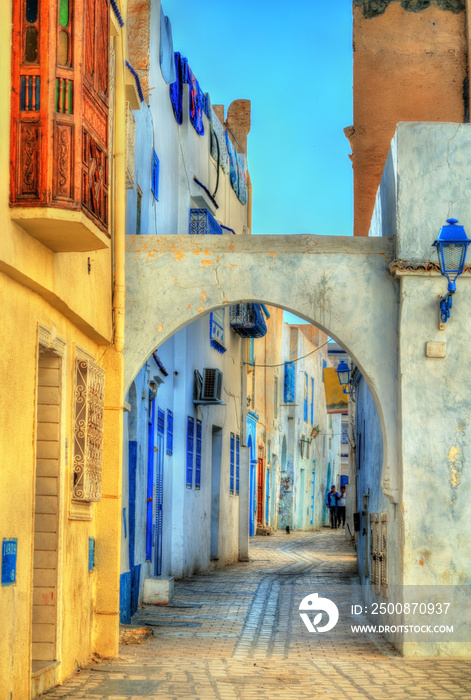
x: 155, y: 175
x: 237, y: 464
x: 169, y: 432
x: 89, y: 395
x: 160, y: 422
x: 190, y: 439
x: 198, y: 455
x: 232, y: 464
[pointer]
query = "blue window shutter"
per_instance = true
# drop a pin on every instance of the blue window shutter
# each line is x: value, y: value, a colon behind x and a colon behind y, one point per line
x: 231, y: 486
x: 155, y: 175
x: 198, y: 455
x: 289, y: 382
x: 237, y: 463
x: 190, y: 438
x: 216, y: 330
x: 160, y: 422
x: 169, y: 432
x: 312, y: 400
x: 306, y: 392
x: 251, y: 352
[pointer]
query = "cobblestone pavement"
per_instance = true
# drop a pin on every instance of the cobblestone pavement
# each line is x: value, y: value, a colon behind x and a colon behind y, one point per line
x: 236, y: 633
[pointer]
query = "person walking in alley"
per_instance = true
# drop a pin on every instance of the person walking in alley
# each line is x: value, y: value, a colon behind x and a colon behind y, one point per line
x: 341, y: 507
x: 331, y: 501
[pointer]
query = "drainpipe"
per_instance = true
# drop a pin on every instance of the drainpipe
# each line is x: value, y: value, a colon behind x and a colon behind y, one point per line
x: 120, y: 194
x: 466, y: 90
x: 249, y: 202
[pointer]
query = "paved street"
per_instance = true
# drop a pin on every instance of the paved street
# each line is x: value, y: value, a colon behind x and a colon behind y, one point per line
x: 237, y: 633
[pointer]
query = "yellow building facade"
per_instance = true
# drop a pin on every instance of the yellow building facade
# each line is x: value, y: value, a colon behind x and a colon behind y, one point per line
x: 62, y: 300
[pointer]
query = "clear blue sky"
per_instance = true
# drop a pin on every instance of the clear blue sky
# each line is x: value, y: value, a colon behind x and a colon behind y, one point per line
x: 293, y: 60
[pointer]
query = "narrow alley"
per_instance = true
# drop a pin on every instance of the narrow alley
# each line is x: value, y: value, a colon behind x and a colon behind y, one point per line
x: 236, y: 632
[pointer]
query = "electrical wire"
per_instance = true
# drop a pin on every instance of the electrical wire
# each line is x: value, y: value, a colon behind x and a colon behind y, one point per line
x: 282, y: 364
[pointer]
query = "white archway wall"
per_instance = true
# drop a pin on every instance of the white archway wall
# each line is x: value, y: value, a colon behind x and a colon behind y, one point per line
x: 340, y: 284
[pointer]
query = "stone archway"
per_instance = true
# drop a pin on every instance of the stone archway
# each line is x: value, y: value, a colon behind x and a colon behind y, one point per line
x: 340, y: 284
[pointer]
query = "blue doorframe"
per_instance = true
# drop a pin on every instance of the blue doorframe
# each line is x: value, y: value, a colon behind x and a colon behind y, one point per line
x: 302, y: 486
x: 313, y: 492
x: 150, y: 476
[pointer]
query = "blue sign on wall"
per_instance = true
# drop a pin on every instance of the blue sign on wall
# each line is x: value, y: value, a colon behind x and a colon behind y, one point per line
x: 9, y: 552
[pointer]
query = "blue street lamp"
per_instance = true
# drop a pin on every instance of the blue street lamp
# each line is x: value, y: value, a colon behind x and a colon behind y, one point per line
x: 344, y: 372
x: 452, y: 246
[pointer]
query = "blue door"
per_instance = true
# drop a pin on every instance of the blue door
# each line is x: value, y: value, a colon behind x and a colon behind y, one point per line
x: 150, y: 476
x: 158, y: 505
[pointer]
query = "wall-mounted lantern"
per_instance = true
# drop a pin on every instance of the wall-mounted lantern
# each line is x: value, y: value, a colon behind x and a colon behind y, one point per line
x: 344, y: 372
x: 452, y: 246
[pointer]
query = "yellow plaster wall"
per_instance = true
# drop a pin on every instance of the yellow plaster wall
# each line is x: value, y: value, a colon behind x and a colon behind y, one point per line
x: 22, y: 311
x: 58, y: 291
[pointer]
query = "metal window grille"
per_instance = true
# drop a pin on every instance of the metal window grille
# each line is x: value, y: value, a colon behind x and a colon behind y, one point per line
x: 248, y: 320
x: 89, y: 393
x: 237, y: 464
x: 231, y: 485
x: 344, y: 437
x: 190, y: 439
x: 155, y: 175
x: 202, y: 222
x: 198, y: 455
x: 289, y: 382
x: 169, y: 432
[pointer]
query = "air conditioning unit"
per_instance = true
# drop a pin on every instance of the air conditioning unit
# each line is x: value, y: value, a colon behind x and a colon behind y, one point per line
x: 212, y: 385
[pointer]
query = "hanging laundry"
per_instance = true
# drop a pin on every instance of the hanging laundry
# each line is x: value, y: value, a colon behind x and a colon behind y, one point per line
x: 217, y: 137
x: 167, y: 62
x: 176, y: 88
x: 196, y: 103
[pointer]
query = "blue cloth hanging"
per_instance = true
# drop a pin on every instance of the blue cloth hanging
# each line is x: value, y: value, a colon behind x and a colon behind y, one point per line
x: 196, y: 103
x: 176, y: 88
